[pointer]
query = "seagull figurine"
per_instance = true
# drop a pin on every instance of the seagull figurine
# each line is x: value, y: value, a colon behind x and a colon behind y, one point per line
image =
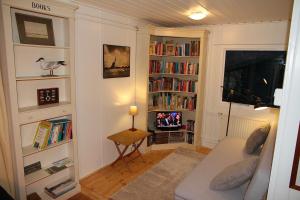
x: 50, y: 65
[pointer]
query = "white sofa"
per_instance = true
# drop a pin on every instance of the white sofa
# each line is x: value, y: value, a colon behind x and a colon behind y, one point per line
x: 195, y: 186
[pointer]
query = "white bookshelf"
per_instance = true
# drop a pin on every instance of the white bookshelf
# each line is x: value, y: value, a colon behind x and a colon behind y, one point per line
x: 22, y: 77
x: 177, y: 36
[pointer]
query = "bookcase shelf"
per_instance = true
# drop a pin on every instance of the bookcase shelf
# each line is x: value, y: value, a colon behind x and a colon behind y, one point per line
x: 37, y: 113
x: 32, y: 108
x: 172, y: 91
x: 39, y: 175
x: 169, y: 110
x: 197, y: 57
x: 32, y: 78
x: 23, y: 77
x: 41, y: 46
x: 189, y: 76
x: 176, y: 82
x: 30, y: 150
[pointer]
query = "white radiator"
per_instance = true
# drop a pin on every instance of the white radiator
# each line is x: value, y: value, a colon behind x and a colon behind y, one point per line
x: 243, y: 127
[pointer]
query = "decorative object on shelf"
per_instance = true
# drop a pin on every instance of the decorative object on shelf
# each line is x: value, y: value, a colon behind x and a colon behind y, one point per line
x: 116, y: 61
x: 40, y: 140
x: 32, y: 168
x: 133, y: 110
x: 50, y: 65
x: 47, y: 96
x: 35, y: 30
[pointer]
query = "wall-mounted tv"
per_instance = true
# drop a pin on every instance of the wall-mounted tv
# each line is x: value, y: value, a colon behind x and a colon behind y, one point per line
x: 253, y: 76
x: 168, y: 120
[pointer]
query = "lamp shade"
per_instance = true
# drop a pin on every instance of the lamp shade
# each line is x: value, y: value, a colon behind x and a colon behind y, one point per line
x: 133, y: 110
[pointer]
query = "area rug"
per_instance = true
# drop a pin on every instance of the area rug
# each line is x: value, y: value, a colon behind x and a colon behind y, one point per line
x: 160, y: 181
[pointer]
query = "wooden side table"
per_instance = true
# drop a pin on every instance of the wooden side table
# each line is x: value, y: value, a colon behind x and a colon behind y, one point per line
x: 128, y: 138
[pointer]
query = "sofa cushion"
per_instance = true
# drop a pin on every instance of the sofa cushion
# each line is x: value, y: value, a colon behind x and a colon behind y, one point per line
x: 235, y: 175
x: 256, y: 139
x: 260, y: 182
x: 196, y: 184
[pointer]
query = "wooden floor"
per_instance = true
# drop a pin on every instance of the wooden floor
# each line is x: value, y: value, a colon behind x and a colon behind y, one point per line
x: 108, y: 180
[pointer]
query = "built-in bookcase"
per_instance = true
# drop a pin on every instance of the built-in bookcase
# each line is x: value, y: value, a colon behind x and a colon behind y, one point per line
x: 22, y: 77
x: 176, y: 83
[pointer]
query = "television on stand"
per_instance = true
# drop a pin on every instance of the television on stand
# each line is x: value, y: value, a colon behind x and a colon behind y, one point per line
x: 251, y: 77
x: 168, y: 120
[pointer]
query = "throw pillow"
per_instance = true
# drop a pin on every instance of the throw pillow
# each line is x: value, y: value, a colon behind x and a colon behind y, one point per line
x: 256, y: 139
x: 235, y: 175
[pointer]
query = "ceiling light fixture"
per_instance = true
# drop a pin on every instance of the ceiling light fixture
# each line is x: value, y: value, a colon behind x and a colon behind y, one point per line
x: 197, y: 15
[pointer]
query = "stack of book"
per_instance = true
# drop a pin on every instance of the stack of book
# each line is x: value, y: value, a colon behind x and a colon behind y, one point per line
x: 168, y: 101
x: 157, y: 48
x: 188, y: 49
x: 161, y: 84
x: 51, y: 132
x: 60, y: 189
x: 59, y: 165
x: 172, y: 84
x: 160, y: 66
x: 184, y: 85
x: 190, y: 138
x: 190, y: 125
x: 169, y: 48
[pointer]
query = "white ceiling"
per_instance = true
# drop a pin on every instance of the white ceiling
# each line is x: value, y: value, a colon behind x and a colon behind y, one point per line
x: 174, y: 12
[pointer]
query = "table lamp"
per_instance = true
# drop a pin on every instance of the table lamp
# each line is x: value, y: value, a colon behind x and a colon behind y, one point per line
x: 133, y: 111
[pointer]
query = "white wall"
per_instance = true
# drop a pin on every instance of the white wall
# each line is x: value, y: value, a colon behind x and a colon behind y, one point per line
x: 257, y: 36
x: 102, y: 104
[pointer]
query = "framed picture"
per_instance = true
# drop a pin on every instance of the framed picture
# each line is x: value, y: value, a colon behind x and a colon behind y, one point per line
x: 295, y: 177
x: 116, y: 61
x: 35, y: 30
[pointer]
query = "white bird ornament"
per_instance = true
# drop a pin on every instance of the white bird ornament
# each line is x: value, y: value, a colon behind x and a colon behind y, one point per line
x: 50, y: 65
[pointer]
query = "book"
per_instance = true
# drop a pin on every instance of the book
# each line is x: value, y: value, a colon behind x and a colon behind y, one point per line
x: 60, y: 189
x: 55, y: 169
x: 32, y: 168
x: 40, y: 140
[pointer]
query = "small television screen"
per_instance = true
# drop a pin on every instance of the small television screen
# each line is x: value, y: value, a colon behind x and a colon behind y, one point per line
x: 168, y: 120
x: 253, y: 76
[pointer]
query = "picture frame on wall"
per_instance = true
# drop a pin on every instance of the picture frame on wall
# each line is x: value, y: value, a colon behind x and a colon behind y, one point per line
x: 116, y: 61
x: 35, y: 30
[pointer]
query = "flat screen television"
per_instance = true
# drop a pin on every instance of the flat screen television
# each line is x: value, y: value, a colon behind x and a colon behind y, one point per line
x: 168, y: 120
x: 253, y: 76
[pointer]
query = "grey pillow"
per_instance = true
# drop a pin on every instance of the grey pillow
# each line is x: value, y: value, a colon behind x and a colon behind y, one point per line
x: 256, y: 139
x: 234, y: 175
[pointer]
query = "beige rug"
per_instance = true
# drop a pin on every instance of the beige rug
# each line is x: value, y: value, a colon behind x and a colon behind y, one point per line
x: 160, y: 181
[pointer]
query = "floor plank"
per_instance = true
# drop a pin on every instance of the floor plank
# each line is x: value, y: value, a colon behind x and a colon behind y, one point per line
x: 108, y: 180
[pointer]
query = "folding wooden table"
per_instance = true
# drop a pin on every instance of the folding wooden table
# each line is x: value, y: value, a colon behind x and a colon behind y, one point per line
x: 128, y: 138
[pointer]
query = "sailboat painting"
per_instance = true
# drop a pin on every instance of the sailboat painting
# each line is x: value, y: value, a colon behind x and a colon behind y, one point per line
x: 116, y: 61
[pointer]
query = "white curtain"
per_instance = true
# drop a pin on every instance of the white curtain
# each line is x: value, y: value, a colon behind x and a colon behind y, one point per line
x: 6, y: 170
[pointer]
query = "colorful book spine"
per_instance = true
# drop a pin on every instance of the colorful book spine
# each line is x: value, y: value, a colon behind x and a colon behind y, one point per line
x: 58, y: 130
x: 191, y: 48
x: 172, y: 84
x: 169, y: 101
x: 161, y: 66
